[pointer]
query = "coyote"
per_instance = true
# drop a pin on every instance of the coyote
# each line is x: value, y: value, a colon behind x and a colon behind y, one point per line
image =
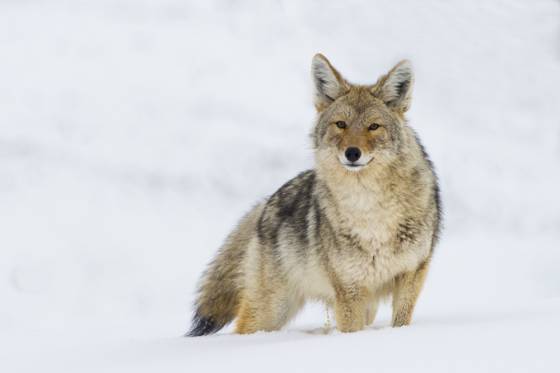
x: 359, y: 227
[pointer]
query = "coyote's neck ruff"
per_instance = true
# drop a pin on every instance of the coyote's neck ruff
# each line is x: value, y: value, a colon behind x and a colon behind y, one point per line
x: 359, y: 227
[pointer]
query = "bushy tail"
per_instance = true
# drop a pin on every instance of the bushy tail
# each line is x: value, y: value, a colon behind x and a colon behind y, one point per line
x: 218, y: 295
x: 219, y: 291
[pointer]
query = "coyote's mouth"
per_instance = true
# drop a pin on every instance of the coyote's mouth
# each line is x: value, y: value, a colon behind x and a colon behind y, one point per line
x: 355, y: 166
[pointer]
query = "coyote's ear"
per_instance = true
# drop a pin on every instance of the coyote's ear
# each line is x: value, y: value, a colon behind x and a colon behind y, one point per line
x: 395, y: 88
x: 329, y: 84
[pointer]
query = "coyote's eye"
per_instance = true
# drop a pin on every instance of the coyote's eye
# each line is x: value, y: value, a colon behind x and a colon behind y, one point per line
x: 341, y: 124
x: 373, y: 126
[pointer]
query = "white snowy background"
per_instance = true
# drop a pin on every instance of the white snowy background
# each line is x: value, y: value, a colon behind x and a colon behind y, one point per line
x: 133, y: 135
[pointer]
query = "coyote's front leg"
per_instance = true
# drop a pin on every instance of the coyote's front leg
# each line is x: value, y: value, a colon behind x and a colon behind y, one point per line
x: 350, y: 309
x: 405, y: 294
x: 371, y: 311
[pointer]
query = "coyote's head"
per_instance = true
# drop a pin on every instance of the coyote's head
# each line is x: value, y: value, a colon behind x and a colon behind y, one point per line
x: 359, y: 126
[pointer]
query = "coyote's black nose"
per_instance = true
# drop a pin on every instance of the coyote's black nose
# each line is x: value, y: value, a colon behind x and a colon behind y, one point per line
x: 352, y: 154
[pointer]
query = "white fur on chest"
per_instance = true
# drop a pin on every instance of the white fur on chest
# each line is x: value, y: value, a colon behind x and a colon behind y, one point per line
x: 373, y: 219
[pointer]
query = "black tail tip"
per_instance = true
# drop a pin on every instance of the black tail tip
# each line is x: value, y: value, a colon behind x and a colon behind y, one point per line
x: 203, y: 326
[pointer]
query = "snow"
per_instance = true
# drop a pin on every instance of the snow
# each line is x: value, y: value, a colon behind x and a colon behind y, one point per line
x: 134, y: 134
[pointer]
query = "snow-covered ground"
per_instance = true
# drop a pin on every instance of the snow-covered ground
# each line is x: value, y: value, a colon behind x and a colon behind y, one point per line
x: 133, y: 134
